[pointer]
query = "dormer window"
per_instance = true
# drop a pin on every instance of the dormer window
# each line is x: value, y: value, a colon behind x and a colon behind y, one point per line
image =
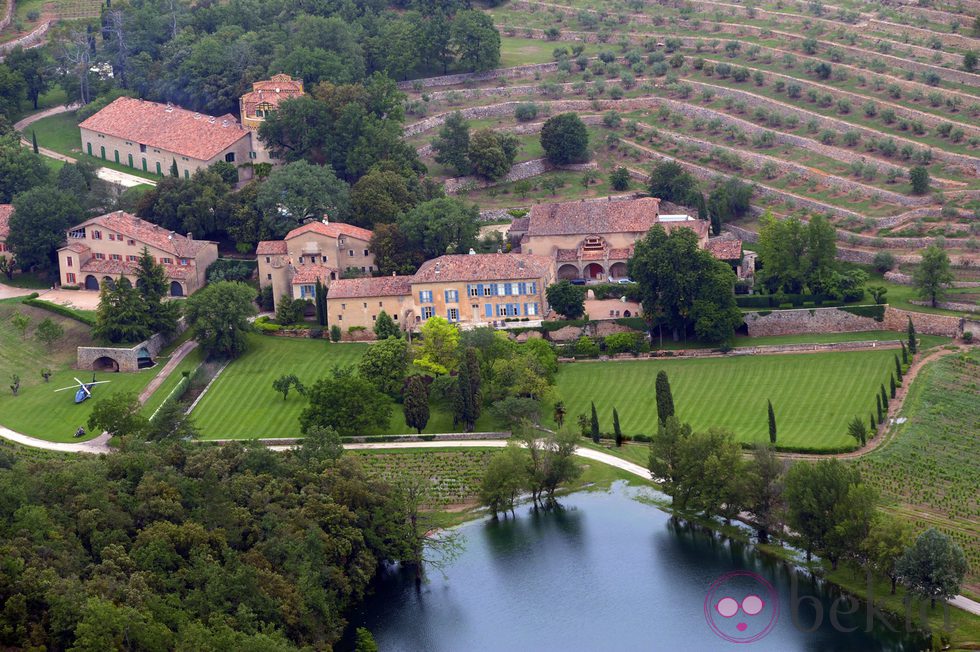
x: 77, y: 233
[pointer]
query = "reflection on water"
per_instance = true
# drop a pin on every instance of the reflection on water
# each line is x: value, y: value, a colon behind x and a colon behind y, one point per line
x: 605, y: 573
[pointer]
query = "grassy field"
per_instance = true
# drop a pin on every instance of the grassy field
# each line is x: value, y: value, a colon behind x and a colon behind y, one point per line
x: 37, y: 410
x: 522, y: 51
x: 742, y: 341
x: 814, y: 395
x: 928, y: 472
x: 241, y: 403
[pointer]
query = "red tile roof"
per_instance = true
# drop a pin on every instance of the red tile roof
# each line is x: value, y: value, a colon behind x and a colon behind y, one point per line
x: 144, y: 232
x: 331, y: 230
x: 6, y: 210
x: 271, y: 248
x: 272, y: 92
x: 482, y: 267
x: 77, y: 247
x: 587, y: 217
x: 378, y: 286
x: 304, y: 274
x: 725, y: 249
x: 169, y: 128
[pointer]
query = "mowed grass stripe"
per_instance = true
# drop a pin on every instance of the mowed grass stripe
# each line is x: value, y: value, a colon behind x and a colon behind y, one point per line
x: 814, y: 395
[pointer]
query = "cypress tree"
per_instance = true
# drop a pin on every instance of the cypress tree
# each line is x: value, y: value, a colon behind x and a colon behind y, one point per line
x: 874, y: 426
x: 911, y: 330
x: 905, y: 354
x: 321, y: 303
x: 594, y: 425
x: 884, y: 398
x: 173, y: 169
x: 878, y: 401
x: 34, y: 141
x: 467, y: 400
x: 892, y: 385
x: 665, y: 400
x: 772, y: 423
x: 416, y: 403
x: 616, y: 431
x: 898, y: 368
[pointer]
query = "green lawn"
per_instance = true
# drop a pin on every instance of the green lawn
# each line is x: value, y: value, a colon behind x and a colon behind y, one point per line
x: 241, y: 403
x: 814, y: 395
x: 522, y: 51
x: 37, y: 410
x: 742, y: 341
x: 190, y: 362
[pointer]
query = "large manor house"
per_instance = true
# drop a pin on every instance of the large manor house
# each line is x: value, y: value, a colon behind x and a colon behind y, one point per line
x: 584, y: 241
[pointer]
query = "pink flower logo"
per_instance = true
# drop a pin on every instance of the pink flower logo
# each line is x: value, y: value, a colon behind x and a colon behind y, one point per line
x: 741, y: 607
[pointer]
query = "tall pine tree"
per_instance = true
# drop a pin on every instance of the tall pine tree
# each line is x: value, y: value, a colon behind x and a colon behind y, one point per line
x: 898, y: 368
x: 616, y: 430
x: 320, y: 292
x: 416, y: 403
x: 772, y: 423
x: 466, y: 404
x: 594, y: 425
x: 665, y: 400
x: 884, y: 398
x: 151, y: 280
x: 911, y: 330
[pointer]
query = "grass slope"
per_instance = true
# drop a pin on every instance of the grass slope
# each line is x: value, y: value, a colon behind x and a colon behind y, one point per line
x: 928, y: 472
x: 39, y: 411
x: 814, y: 395
x: 241, y: 403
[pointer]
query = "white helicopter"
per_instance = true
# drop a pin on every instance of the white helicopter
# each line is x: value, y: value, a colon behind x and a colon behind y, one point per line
x: 83, y: 390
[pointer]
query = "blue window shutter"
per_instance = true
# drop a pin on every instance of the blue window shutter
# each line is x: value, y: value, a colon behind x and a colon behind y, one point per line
x: 533, y: 289
x: 523, y: 288
x: 479, y: 289
x: 488, y: 310
x: 446, y: 295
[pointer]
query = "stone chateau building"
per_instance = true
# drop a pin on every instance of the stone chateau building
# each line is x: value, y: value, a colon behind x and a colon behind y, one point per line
x: 316, y: 250
x: 102, y: 249
x: 467, y: 289
x: 258, y: 103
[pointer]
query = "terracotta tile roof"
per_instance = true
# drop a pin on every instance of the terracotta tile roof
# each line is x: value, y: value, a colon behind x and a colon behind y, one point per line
x: 144, y: 232
x: 621, y: 253
x: 483, y: 267
x: 519, y: 225
x: 271, y: 248
x: 117, y: 268
x: 725, y: 249
x: 587, y: 217
x: 331, y: 230
x: 272, y: 92
x: 308, y: 274
x: 566, y: 255
x: 6, y: 210
x: 78, y: 247
x: 169, y: 128
x: 378, y: 286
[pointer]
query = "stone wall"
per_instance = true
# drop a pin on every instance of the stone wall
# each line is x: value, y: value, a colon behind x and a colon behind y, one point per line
x: 525, y: 170
x: 126, y: 358
x: 8, y: 14
x: 28, y: 40
x: 896, y: 319
x: 813, y: 320
x: 951, y: 305
x: 463, y: 78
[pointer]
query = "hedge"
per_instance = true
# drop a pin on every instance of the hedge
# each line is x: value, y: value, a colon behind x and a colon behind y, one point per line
x: 636, y: 323
x: 615, y: 291
x: 875, y: 312
x: 59, y: 310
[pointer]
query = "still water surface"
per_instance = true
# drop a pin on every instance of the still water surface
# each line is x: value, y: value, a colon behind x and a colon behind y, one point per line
x: 610, y: 572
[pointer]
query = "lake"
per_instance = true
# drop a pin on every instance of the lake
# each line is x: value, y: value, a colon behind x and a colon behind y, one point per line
x: 610, y: 572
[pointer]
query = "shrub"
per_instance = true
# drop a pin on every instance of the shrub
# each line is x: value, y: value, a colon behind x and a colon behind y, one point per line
x: 526, y: 111
x: 883, y: 261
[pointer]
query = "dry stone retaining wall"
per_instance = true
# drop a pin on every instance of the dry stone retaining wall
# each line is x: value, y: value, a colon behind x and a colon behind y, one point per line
x: 28, y: 40
x: 951, y: 305
x: 896, y: 319
x: 525, y: 170
x: 8, y: 14
x: 465, y: 77
x: 814, y: 320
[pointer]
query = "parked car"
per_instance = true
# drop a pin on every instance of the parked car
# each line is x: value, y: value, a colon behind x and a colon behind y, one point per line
x: 623, y: 281
x: 578, y: 281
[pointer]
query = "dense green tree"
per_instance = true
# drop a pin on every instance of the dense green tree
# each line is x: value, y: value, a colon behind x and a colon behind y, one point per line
x: 933, y: 566
x: 321, y: 444
x: 440, y: 344
x: 885, y: 544
x: 617, y: 432
x: 797, y: 255
x: 933, y: 275
x: 664, y: 463
x: 884, y: 398
x: 384, y: 364
x: 320, y: 294
x: 911, y: 336
x: 665, y: 398
x: 683, y: 286
x: 858, y: 429
x: 49, y: 332
x: 969, y: 61
x: 669, y: 181
x: 504, y: 480
x: 619, y: 179
x: 566, y: 299
x: 772, y: 423
x: 415, y: 404
x: 122, y: 315
x: 919, y: 178
x: 199, y: 205
x: 151, y: 281
x: 13, y: 90
x: 40, y: 219
x: 452, y: 145
x: 171, y: 422
x: 217, y: 316
x: 393, y: 254
x: 565, y: 139
x: 440, y: 226
x: 475, y: 40
x: 385, y: 327
x: 710, y: 473
x: 898, y: 368
x: 299, y: 192
x: 346, y: 402
x: 285, y: 382
x: 594, y: 425
x: 492, y: 154
x: 118, y: 414
x: 764, y: 494
x: 382, y: 196
x: 727, y: 202
x: 467, y: 401
x: 364, y: 641
x: 816, y: 497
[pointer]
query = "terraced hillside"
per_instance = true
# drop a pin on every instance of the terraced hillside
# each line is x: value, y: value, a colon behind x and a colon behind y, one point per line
x: 825, y: 107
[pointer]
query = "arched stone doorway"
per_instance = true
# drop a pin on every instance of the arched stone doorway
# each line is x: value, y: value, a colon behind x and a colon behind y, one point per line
x: 143, y: 359
x: 594, y: 271
x: 91, y: 283
x: 105, y: 363
x: 176, y: 289
x: 618, y: 270
x: 568, y: 272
